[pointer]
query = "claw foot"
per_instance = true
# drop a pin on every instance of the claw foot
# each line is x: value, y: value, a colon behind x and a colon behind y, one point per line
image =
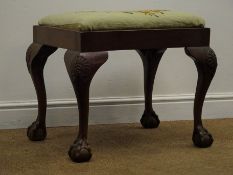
x: 36, y: 132
x: 150, y: 120
x: 80, y: 151
x: 202, y: 138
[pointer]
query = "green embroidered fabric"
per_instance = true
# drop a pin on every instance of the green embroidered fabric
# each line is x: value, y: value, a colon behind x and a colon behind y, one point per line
x: 122, y: 20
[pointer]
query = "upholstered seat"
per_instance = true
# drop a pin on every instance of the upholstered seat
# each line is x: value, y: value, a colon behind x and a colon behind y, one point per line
x: 122, y: 20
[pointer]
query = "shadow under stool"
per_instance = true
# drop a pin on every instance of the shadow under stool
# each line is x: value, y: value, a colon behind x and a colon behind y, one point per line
x: 88, y: 36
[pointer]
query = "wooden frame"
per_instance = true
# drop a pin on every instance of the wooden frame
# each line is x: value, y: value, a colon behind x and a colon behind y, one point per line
x: 121, y: 39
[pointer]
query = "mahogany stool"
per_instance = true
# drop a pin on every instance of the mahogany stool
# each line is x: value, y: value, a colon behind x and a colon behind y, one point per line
x: 88, y: 36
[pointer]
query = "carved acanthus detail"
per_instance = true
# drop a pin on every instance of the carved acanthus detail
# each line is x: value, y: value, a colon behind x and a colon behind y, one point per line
x: 211, y: 59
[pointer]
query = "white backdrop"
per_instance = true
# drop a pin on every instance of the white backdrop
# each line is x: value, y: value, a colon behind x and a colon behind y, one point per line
x: 117, y: 89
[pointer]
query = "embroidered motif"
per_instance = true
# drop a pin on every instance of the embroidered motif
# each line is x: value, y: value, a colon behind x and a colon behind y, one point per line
x: 148, y: 12
x: 129, y: 12
x: 153, y: 12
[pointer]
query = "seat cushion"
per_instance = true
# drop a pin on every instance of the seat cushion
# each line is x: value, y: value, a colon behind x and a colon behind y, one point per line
x: 122, y: 20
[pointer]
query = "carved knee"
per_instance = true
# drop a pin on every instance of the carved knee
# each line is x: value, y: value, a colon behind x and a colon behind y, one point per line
x: 204, y: 58
x: 83, y: 66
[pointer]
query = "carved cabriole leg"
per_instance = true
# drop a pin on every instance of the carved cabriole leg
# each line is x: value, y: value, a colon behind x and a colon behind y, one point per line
x: 36, y: 58
x: 206, y: 63
x: 81, y: 69
x: 150, y: 59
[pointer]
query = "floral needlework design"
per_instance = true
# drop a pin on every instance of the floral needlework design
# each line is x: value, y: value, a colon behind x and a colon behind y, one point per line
x: 153, y: 12
x: 129, y: 12
x: 148, y: 12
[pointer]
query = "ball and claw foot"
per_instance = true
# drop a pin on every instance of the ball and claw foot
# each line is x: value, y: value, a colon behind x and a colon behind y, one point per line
x: 150, y: 120
x: 202, y: 138
x: 80, y: 151
x: 36, y: 132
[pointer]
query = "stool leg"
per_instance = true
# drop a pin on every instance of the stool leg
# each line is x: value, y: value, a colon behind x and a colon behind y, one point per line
x: 206, y: 63
x: 81, y: 69
x: 150, y: 59
x: 36, y: 58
